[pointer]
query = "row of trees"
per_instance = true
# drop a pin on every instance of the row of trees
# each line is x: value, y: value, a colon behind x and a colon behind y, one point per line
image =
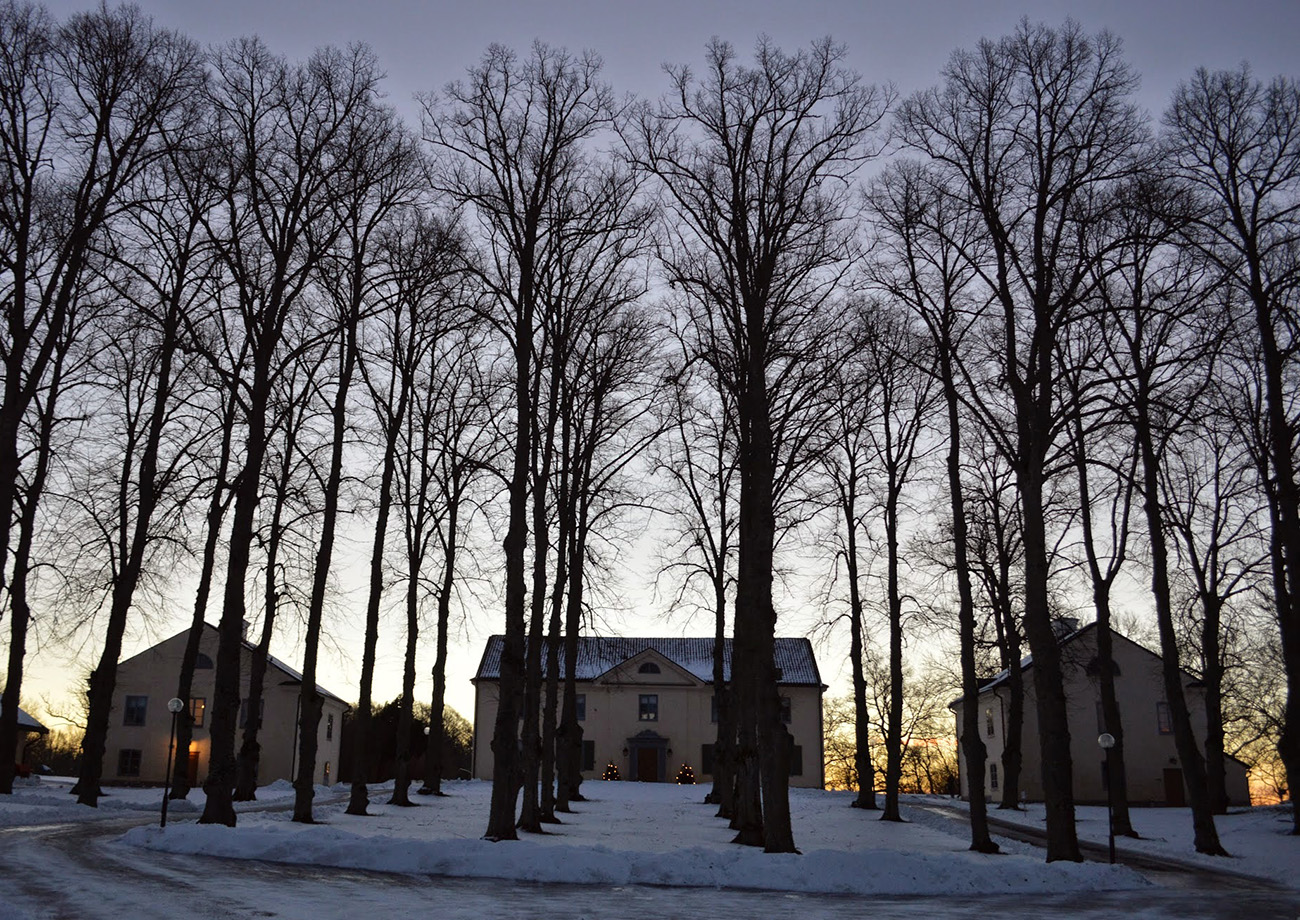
x: 243, y: 301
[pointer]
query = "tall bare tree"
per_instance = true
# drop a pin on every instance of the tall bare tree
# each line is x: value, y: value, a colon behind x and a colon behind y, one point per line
x: 1233, y: 140
x: 280, y: 127
x: 1027, y: 130
x: 87, y: 105
x: 513, y: 134
x: 926, y: 235
x: 755, y: 163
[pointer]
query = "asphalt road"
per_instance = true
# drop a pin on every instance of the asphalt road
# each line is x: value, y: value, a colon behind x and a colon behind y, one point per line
x: 80, y: 871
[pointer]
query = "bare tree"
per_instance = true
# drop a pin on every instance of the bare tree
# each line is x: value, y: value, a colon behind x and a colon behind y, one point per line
x: 1161, y: 338
x: 280, y: 128
x: 424, y: 254
x: 514, y: 134
x: 698, y: 457
x: 755, y: 163
x: 1026, y: 131
x: 846, y: 458
x: 926, y: 234
x: 901, y: 365
x: 86, y: 104
x: 1232, y: 140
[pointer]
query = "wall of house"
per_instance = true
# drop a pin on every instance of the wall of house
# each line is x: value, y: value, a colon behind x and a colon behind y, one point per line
x: 153, y: 674
x: 1149, y: 752
x: 683, y: 725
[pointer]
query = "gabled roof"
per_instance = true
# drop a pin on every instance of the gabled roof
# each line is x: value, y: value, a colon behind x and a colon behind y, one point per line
x: 1028, y: 661
x: 598, y: 655
x: 271, y: 660
x: 28, y: 724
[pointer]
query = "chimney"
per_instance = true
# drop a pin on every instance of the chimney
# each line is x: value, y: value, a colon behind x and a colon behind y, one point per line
x: 1063, y: 627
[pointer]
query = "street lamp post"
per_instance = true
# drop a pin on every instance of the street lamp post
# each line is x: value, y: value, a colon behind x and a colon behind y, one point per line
x: 1107, y: 741
x: 174, y: 706
x: 427, y: 788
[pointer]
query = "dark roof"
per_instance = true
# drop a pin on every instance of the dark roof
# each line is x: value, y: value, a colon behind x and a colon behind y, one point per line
x: 28, y: 724
x: 598, y: 655
x: 1062, y: 641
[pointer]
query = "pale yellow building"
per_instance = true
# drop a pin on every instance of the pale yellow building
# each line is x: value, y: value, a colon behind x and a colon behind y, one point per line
x: 646, y: 706
x: 1153, y: 772
x: 140, y: 725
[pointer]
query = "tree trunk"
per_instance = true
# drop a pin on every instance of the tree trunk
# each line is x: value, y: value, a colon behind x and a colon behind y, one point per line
x: 894, y: 732
x: 359, y: 796
x: 1049, y: 690
x: 1116, y: 771
x: 971, y: 741
x: 1205, y: 835
x: 866, y: 797
x: 309, y: 711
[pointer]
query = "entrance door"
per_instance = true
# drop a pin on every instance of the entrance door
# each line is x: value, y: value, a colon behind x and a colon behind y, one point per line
x: 1175, y: 792
x: 647, y: 764
x: 193, y: 769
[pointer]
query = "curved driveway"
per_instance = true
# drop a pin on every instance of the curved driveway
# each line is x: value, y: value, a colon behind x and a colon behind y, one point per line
x: 80, y: 871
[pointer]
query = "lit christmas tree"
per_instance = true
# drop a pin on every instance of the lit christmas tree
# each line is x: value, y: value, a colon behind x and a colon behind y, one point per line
x: 611, y: 771
x: 686, y: 776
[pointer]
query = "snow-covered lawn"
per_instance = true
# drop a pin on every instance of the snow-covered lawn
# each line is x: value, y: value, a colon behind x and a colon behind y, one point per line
x: 632, y: 833
x: 1257, y: 839
x: 648, y: 834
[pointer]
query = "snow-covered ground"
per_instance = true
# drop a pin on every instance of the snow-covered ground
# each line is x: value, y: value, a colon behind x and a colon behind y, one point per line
x: 1258, y: 839
x: 649, y: 834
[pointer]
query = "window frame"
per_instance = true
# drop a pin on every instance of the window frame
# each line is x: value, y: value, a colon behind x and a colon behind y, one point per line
x: 198, y: 710
x: 130, y: 704
x: 1164, y: 719
x: 128, y: 765
x: 580, y: 706
x: 647, y: 707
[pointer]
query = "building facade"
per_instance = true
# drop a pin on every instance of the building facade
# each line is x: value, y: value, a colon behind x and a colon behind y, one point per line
x: 647, y: 707
x: 140, y: 728
x: 1154, y: 775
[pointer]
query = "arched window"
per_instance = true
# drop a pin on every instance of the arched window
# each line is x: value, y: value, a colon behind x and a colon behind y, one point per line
x: 648, y: 667
x: 203, y: 662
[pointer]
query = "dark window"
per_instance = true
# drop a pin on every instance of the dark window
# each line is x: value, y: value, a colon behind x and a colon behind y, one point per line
x: 198, y: 709
x: 648, y: 667
x: 243, y: 713
x: 128, y: 763
x: 135, y: 709
x: 648, y: 707
x: 988, y: 722
x: 785, y: 709
x: 1164, y: 725
x: 706, y: 758
x: 203, y: 663
x: 713, y: 711
x: 329, y: 727
x: 993, y: 776
x: 327, y: 773
x: 588, y: 755
x: 581, y: 706
x: 1093, y: 668
x: 796, y: 760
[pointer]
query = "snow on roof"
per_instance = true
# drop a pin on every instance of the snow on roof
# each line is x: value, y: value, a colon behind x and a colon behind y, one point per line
x: 597, y: 655
x: 29, y: 724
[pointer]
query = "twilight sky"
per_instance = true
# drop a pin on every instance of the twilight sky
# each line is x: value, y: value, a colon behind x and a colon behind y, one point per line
x: 423, y: 45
